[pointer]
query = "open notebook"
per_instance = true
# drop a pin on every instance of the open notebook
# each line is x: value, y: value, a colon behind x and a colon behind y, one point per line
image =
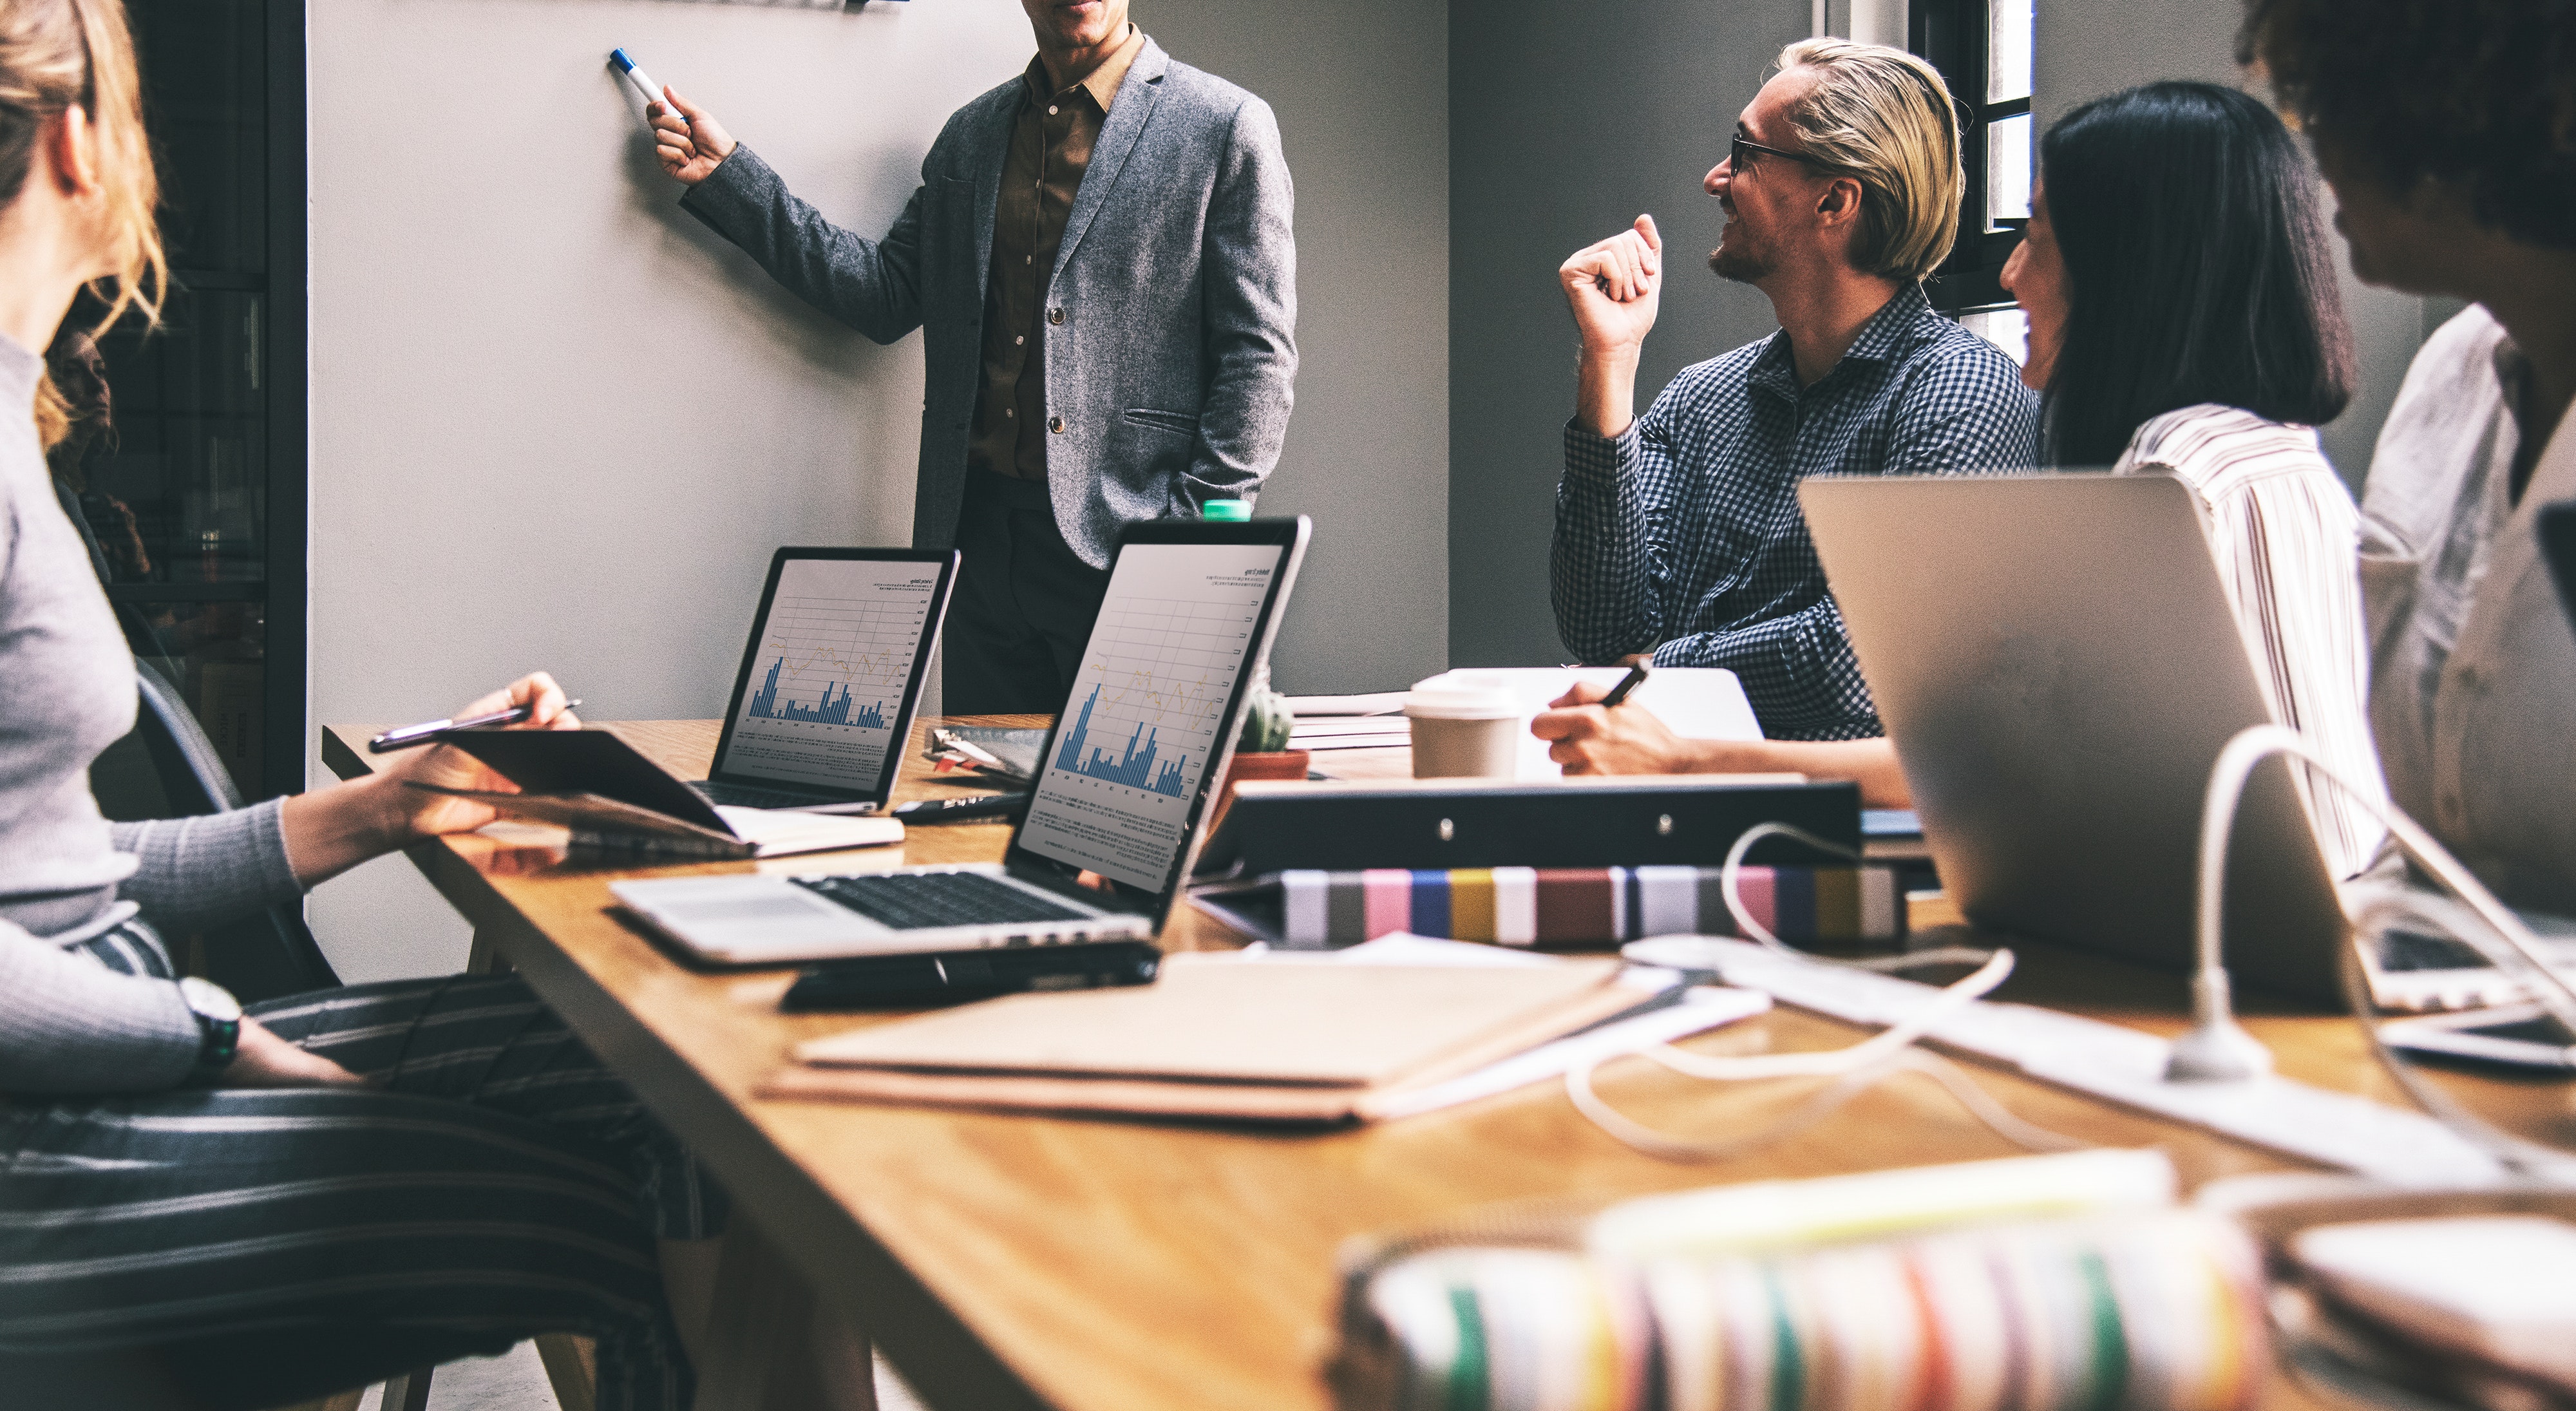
x: 615, y: 800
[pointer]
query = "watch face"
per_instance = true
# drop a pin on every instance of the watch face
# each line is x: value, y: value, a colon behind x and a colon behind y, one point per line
x: 210, y: 1000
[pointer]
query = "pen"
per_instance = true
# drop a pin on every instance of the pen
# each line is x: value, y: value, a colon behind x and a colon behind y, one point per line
x: 1626, y: 684
x: 424, y: 733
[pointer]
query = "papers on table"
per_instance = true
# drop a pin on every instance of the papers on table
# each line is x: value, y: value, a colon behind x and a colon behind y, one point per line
x: 1259, y: 1036
x: 1347, y: 732
x: 1371, y: 703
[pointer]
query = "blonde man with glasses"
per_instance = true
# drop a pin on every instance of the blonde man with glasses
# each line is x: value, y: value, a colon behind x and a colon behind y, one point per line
x: 1678, y: 536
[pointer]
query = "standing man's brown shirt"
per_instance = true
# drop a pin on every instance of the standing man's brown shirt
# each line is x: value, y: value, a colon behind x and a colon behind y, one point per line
x: 1050, y: 147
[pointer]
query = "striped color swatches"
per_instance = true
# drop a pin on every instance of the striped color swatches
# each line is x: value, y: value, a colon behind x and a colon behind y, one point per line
x: 1587, y: 906
x: 2155, y: 1313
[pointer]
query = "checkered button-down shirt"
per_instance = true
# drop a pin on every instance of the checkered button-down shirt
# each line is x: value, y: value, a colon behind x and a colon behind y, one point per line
x: 1682, y: 536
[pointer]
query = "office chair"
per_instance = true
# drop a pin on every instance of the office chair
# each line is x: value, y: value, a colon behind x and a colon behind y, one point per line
x: 168, y: 768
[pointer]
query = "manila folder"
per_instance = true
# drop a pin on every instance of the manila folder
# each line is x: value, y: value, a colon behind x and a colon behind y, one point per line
x: 1216, y: 1037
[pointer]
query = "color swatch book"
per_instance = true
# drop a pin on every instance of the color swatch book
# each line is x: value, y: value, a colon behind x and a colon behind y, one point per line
x: 1562, y: 908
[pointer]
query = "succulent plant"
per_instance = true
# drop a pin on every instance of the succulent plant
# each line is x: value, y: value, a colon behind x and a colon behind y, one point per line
x: 1266, y: 718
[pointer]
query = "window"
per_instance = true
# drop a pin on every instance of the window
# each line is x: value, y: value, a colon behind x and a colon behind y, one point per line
x: 1983, y: 49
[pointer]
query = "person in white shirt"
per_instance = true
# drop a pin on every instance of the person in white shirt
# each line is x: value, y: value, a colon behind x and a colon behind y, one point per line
x: 2448, y: 133
x: 2184, y: 319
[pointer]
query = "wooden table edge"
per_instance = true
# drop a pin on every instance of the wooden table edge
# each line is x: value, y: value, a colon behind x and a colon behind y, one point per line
x: 927, y: 1342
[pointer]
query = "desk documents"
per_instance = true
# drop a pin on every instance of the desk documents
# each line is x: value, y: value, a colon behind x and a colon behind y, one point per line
x: 1222, y: 1038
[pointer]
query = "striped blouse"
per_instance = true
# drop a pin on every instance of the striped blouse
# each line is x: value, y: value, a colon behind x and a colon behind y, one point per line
x: 2286, y: 536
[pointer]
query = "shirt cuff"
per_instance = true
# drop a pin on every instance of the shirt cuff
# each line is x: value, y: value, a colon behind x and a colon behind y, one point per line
x: 739, y: 181
x: 1598, y: 458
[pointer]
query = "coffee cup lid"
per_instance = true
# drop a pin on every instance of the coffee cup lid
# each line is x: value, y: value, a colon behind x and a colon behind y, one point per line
x: 1461, y: 702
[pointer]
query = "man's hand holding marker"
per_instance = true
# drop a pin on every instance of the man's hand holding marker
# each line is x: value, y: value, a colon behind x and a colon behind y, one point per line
x: 687, y: 138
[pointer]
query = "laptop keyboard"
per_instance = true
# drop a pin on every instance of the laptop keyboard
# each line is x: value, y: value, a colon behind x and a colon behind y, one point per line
x: 912, y: 901
x: 744, y: 796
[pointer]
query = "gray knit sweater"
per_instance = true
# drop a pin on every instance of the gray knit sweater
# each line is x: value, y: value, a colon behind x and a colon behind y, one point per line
x: 68, y: 1024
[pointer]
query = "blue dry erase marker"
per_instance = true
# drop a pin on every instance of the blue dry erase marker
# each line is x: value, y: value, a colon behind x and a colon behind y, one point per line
x: 635, y: 74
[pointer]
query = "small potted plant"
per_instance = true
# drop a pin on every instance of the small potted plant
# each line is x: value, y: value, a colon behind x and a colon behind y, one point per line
x: 1262, y: 751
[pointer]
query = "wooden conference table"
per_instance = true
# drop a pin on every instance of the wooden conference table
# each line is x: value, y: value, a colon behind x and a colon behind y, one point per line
x: 1013, y: 1261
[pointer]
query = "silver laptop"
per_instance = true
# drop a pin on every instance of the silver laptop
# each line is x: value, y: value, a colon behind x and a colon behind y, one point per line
x: 2057, y: 664
x: 830, y: 678
x: 1122, y: 795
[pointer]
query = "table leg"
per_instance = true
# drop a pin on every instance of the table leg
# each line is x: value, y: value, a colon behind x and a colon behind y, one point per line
x: 483, y: 956
x: 772, y: 1345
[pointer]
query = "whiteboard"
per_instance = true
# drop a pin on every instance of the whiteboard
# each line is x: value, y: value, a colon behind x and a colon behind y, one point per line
x: 555, y: 419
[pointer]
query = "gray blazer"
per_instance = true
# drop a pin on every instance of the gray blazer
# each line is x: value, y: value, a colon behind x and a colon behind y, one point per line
x: 1170, y: 317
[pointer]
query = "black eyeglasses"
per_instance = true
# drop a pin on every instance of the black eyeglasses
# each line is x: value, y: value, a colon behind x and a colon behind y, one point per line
x: 1742, y: 145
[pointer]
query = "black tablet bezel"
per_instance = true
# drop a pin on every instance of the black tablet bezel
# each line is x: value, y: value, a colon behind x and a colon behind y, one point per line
x: 948, y: 561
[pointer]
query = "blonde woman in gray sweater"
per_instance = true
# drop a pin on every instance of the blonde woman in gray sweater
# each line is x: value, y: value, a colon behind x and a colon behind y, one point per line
x: 250, y: 1208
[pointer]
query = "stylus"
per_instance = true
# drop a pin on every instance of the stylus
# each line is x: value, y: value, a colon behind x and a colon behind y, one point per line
x: 927, y: 811
x: 427, y: 731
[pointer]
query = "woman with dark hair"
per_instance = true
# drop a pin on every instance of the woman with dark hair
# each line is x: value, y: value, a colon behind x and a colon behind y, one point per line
x: 2183, y: 320
x: 2447, y: 129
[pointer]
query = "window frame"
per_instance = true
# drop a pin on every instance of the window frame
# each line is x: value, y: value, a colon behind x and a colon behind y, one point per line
x: 1953, y: 37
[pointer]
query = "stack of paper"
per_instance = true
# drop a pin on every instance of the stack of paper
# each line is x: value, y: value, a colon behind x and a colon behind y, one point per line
x: 1351, y: 732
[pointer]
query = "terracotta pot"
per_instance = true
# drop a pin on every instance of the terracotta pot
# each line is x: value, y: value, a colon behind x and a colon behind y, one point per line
x: 1267, y: 764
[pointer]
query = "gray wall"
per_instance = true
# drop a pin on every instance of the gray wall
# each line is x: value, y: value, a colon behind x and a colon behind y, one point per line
x: 556, y: 423
x: 1556, y: 141
x: 2091, y: 47
x: 1361, y: 88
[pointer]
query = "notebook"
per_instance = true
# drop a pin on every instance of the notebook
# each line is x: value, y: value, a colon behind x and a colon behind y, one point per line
x: 614, y: 800
x: 1219, y: 1037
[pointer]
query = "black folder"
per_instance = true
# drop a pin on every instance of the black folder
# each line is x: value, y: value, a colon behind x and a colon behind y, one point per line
x: 1446, y: 823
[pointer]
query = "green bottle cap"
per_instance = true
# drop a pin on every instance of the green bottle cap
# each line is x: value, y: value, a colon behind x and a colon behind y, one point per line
x: 1226, y: 511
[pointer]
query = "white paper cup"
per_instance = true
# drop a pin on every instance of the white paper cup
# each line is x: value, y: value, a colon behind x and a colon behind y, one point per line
x: 1470, y: 732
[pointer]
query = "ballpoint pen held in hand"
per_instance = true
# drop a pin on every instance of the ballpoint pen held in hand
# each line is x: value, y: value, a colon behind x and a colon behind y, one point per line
x: 428, y: 732
x: 1627, y: 683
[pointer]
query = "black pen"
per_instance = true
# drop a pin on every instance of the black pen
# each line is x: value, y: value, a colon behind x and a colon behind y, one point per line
x: 1627, y: 683
x: 428, y: 731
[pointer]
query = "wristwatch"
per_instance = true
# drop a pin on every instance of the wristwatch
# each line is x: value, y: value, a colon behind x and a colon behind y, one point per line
x: 219, y: 1017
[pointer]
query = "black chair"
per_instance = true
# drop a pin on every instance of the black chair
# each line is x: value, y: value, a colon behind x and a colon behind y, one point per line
x: 168, y: 768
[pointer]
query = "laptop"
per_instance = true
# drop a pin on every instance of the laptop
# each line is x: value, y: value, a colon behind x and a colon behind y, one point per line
x: 830, y: 679
x: 1122, y: 798
x: 2059, y: 668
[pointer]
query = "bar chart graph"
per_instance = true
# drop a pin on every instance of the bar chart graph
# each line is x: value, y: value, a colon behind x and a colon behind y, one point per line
x: 836, y: 652
x: 1135, y: 768
x: 765, y: 705
x: 1143, y: 719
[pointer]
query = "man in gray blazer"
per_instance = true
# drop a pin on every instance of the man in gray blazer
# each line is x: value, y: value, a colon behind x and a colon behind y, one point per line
x: 1100, y: 262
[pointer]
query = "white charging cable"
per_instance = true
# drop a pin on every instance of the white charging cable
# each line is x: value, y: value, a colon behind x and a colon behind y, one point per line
x: 1855, y: 1069
x: 2216, y: 1049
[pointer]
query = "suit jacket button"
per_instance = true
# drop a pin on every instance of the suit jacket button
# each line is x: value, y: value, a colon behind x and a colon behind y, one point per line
x: 1055, y: 423
x: 1055, y: 315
